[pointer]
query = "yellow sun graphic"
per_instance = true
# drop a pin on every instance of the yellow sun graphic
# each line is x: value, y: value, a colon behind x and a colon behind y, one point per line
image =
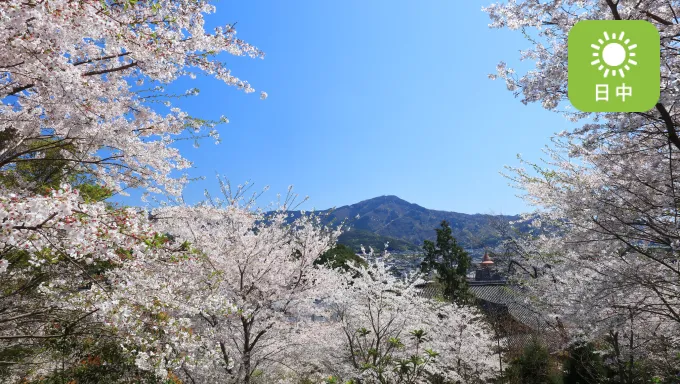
x: 612, y: 53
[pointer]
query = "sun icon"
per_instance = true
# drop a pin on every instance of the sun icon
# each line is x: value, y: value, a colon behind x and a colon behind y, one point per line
x: 611, y: 55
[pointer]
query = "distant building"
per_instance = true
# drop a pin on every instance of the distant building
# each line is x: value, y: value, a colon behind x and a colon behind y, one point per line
x: 506, y: 306
x: 486, y: 271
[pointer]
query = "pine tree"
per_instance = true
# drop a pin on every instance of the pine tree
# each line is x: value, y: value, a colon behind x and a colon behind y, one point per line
x: 450, y: 262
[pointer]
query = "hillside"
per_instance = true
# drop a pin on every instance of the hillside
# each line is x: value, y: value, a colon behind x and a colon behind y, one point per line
x: 354, y: 238
x: 406, y: 225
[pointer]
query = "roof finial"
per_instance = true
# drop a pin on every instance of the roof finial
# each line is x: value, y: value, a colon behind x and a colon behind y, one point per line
x: 486, y: 260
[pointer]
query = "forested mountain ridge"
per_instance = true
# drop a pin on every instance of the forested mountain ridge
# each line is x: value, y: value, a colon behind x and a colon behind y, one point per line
x: 389, y: 218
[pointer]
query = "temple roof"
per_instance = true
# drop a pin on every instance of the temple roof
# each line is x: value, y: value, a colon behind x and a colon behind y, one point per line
x: 510, y: 299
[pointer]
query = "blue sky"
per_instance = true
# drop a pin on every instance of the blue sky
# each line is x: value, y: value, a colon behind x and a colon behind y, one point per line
x: 370, y: 98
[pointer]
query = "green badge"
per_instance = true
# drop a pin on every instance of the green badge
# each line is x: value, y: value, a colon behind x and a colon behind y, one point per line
x: 614, y: 65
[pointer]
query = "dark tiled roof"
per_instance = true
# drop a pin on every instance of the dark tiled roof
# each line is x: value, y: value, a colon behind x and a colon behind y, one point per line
x: 503, y: 297
x: 500, y: 294
x: 510, y: 297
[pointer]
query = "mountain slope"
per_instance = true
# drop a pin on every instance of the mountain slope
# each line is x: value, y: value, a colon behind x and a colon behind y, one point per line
x: 392, y: 217
x: 355, y: 238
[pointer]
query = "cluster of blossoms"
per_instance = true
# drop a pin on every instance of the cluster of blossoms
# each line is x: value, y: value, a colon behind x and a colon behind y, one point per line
x: 52, y: 247
x: 229, y: 303
x: 63, y: 223
x: 200, y: 293
x: 74, y: 73
x: 246, y: 296
x: 390, y: 333
x: 73, y: 97
x: 607, y: 198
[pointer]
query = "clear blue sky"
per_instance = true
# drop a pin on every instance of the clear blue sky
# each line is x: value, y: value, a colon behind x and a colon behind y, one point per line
x: 370, y: 98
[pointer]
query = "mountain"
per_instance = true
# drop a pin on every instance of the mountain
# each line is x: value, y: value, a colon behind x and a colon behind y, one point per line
x: 355, y: 238
x: 405, y: 225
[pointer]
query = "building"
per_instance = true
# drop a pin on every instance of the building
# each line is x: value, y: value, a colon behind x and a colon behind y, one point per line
x: 507, y: 308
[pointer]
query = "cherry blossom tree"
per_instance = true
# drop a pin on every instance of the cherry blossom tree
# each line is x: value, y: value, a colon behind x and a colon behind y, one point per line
x: 606, y: 263
x: 390, y: 334
x: 206, y: 293
x: 82, y: 88
x: 83, y: 78
x: 235, y: 307
x: 52, y: 249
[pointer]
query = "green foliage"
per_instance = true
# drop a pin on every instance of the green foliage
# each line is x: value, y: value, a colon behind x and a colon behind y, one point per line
x: 92, y: 192
x: 84, y: 359
x: 583, y: 366
x: 532, y: 367
x: 418, y: 335
x: 41, y: 168
x: 621, y: 367
x: 451, y: 263
x: 12, y: 354
x: 44, y: 167
x: 355, y: 238
x: 96, y: 357
x: 339, y: 257
x: 392, y: 358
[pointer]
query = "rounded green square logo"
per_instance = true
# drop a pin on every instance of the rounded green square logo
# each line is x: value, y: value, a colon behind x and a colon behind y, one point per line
x: 614, y: 65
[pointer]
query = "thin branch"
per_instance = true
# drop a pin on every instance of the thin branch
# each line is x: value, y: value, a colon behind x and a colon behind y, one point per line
x: 101, y: 58
x: 670, y: 126
x: 109, y: 70
x: 16, y: 90
x: 36, y: 227
x: 657, y: 18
